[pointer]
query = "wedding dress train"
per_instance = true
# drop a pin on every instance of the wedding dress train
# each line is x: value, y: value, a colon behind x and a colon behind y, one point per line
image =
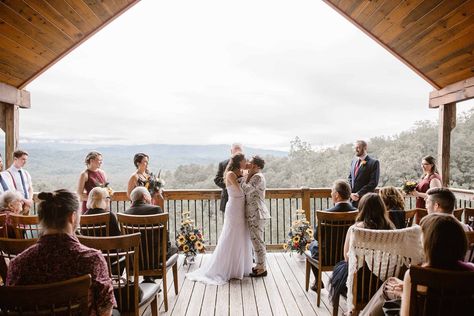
x: 232, y: 257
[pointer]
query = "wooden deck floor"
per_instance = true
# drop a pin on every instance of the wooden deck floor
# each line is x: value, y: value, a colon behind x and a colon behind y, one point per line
x: 280, y: 293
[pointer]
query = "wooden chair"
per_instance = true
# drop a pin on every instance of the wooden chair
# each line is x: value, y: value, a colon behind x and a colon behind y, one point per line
x: 26, y: 227
x: 376, y: 255
x: 125, y: 277
x: 3, y: 226
x: 470, y: 247
x: 469, y: 216
x: 9, y: 249
x: 409, y: 217
x: 68, y: 297
x: 332, y: 229
x: 420, y: 213
x: 441, y: 292
x: 96, y: 225
x: 153, y: 248
x: 458, y: 213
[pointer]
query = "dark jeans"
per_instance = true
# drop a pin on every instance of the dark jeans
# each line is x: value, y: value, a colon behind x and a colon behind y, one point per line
x: 314, y: 249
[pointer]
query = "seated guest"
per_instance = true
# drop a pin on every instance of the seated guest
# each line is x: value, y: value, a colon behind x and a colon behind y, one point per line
x: 141, y: 205
x: 395, y: 204
x: 340, y: 195
x: 372, y: 215
x: 442, y: 200
x: 11, y: 203
x: 98, y: 202
x: 58, y: 255
x: 444, y: 245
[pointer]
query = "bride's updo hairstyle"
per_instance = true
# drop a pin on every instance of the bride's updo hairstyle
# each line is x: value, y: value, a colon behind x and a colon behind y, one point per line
x: 55, y: 207
x: 137, y: 159
x: 234, y: 162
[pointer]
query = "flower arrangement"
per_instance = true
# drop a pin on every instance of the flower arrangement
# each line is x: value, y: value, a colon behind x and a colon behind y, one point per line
x: 190, y: 240
x: 409, y: 186
x: 154, y: 183
x: 300, y: 234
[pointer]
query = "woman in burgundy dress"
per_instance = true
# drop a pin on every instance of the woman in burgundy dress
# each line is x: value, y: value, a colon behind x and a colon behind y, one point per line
x: 92, y: 177
x: 430, y: 179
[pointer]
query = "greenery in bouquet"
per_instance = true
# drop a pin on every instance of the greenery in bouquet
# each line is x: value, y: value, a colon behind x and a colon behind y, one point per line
x: 409, y: 186
x: 190, y: 239
x: 154, y: 183
x: 300, y: 234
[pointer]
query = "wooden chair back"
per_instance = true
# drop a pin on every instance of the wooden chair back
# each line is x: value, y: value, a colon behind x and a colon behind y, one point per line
x: 96, y: 225
x: 9, y: 249
x: 441, y: 292
x: 332, y: 230
x: 154, y: 240
x: 470, y: 247
x: 409, y: 217
x: 3, y: 226
x: 469, y: 216
x: 68, y: 297
x: 26, y: 227
x: 458, y: 213
x: 121, y: 254
x: 420, y: 213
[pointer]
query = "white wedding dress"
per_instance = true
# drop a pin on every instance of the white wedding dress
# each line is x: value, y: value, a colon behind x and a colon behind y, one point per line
x: 232, y: 257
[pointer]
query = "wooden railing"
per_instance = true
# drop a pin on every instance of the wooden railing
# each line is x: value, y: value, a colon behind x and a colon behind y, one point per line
x: 282, y: 204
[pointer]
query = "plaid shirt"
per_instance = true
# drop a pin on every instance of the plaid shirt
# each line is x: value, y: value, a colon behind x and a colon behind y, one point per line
x: 61, y: 257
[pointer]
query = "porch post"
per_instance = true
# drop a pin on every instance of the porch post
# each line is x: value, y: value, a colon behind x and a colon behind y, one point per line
x: 447, y: 122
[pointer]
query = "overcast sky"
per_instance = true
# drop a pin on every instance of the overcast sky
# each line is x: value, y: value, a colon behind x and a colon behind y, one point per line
x: 216, y: 72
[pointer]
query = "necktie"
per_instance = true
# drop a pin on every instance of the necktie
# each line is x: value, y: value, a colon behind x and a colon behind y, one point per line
x: 357, y: 166
x: 25, y: 192
x: 4, y: 185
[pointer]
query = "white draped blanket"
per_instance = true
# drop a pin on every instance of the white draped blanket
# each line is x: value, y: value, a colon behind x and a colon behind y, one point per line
x: 385, y: 252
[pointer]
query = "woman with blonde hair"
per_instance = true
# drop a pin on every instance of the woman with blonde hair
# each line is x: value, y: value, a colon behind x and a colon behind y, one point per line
x: 98, y: 202
x: 395, y: 204
x: 92, y: 177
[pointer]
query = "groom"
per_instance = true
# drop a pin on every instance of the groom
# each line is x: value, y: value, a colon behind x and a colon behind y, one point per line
x: 256, y: 212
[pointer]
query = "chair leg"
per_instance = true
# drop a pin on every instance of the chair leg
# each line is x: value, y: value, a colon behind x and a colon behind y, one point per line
x: 307, y: 275
x: 165, y: 291
x: 335, y: 307
x: 154, y: 306
x: 175, y: 278
x: 319, y: 286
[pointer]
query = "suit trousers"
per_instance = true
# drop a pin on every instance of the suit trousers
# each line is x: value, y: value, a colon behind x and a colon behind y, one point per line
x: 256, y: 228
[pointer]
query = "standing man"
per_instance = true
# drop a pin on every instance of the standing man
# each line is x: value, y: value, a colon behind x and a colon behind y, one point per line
x: 20, y: 178
x: 364, y: 174
x: 219, y: 179
x: 256, y: 213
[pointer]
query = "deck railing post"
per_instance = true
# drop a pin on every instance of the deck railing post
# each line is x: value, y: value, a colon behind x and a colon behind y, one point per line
x: 306, y: 202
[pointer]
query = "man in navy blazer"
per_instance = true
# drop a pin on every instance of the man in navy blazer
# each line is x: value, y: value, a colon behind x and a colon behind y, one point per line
x: 364, y: 174
x: 340, y: 194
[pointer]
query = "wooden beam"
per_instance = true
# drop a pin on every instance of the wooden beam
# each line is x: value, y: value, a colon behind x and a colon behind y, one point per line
x: 456, y: 92
x: 447, y: 122
x: 11, y: 95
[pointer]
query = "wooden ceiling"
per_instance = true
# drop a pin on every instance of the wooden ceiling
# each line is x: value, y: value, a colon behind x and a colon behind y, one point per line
x: 35, y: 34
x: 433, y: 37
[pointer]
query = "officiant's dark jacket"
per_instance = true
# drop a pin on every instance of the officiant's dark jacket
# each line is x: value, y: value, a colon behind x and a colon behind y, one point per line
x: 366, y: 179
x: 219, y: 181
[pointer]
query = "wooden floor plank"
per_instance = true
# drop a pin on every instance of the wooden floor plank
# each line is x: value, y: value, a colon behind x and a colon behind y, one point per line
x: 222, y: 301
x: 186, y: 292
x: 277, y: 302
x: 235, y: 295
x: 208, y: 306
x: 263, y: 305
x: 290, y: 303
x: 172, y: 297
x: 248, y: 297
x: 304, y: 304
x: 195, y: 303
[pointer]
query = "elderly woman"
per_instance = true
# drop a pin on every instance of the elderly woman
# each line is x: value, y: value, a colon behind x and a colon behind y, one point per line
x: 429, y: 179
x: 12, y: 203
x: 58, y: 255
x: 92, y: 177
x: 395, y: 204
x: 98, y: 202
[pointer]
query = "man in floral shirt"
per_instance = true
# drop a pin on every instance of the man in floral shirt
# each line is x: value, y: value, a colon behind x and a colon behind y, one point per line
x: 58, y: 255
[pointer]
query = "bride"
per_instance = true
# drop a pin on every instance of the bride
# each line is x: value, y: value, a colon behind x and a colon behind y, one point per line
x: 232, y: 258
